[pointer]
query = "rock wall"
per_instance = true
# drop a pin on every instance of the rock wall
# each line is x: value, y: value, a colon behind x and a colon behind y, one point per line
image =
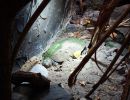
x: 43, y: 30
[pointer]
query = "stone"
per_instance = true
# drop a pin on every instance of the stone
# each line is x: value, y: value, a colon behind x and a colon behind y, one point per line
x: 38, y: 68
x: 74, y: 28
x: 47, y: 63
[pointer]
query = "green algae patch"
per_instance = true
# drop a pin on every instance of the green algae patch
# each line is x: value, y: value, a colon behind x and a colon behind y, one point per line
x: 58, y: 45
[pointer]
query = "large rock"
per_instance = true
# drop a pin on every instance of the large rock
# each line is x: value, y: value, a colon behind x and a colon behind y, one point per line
x: 43, y: 30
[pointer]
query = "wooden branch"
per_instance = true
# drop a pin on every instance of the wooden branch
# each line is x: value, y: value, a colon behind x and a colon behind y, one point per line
x: 103, y: 18
x: 104, y: 77
x: 102, y: 21
x: 27, y: 28
x: 36, y: 80
x: 74, y: 74
x: 105, y: 12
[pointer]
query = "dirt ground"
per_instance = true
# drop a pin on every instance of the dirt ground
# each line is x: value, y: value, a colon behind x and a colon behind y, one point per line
x: 63, y: 64
x: 66, y: 63
x: 76, y: 34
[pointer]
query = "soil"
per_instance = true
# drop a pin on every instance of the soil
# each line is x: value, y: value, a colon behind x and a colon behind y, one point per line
x: 59, y: 73
x: 60, y: 62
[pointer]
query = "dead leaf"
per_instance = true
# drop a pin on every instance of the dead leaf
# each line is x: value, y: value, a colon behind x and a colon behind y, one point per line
x: 85, y: 21
x: 113, y: 35
x: 77, y: 34
x: 76, y: 21
x: 86, y: 36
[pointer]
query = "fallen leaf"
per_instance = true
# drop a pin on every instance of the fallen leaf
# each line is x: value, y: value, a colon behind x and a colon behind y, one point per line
x: 76, y: 21
x: 86, y: 36
x: 77, y: 34
x: 113, y: 35
x: 77, y: 54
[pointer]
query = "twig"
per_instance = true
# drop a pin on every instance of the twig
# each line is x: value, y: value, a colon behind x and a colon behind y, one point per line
x: 101, y: 23
x: 99, y: 62
x: 124, y: 23
x: 104, y: 16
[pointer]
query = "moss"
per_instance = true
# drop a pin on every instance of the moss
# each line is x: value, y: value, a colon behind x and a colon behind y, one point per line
x: 57, y: 45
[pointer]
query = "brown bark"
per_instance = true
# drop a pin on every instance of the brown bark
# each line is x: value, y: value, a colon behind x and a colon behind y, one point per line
x: 102, y: 21
x: 36, y: 80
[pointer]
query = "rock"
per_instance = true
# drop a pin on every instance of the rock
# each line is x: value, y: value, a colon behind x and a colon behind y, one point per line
x: 71, y: 28
x: 54, y: 63
x: 121, y: 71
x: 92, y: 14
x: 47, y: 63
x: 74, y: 28
x: 21, y: 60
x: 57, y: 62
x: 38, y: 68
x: 58, y: 70
x: 85, y: 32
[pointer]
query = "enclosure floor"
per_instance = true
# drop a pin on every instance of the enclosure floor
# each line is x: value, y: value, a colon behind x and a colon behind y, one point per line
x: 62, y: 63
